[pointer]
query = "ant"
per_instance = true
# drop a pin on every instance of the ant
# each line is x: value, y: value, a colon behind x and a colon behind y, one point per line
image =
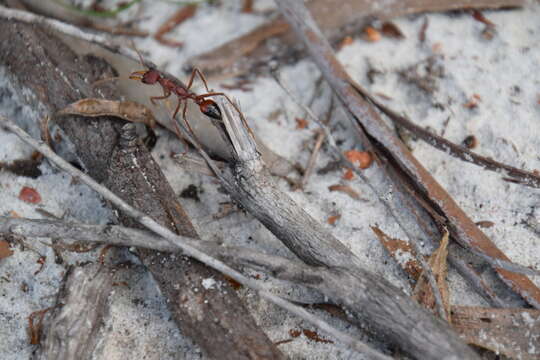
x: 172, y: 86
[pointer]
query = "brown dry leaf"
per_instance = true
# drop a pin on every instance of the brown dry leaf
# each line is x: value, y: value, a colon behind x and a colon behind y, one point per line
x: 332, y: 219
x: 29, y: 195
x: 362, y: 158
x: 390, y: 29
x: 349, y: 175
x: 372, y: 34
x: 127, y: 110
x: 423, y: 292
x: 301, y: 123
x: 5, y: 251
x: 347, y: 40
x: 401, y: 251
x: 34, y: 330
x: 511, y: 332
x: 176, y: 19
x: 345, y: 189
x: 315, y: 337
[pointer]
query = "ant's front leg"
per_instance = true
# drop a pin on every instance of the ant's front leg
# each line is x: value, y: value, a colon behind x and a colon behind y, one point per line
x: 166, y: 94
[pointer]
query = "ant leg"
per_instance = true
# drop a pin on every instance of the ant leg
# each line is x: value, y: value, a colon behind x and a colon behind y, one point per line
x: 201, y: 76
x: 166, y: 94
x: 178, y: 132
x: 184, y: 111
x: 177, y: 108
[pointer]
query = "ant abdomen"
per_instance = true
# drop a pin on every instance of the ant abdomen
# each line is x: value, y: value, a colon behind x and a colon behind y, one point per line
x: 211, y: 109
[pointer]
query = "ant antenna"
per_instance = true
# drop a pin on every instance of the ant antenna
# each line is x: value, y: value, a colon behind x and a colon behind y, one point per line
x: 138, y: 53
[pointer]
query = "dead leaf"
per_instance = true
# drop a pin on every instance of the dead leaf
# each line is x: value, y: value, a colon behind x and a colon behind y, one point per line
x: 5, y: 250
x: 362, y: 158
x: 29, y: 195
x: 349, y: 175
x: 127, y: 110
x: 401, y: 251
x: 372, y: 34
x: 34, y: 331
x: 390, y: 29
x: 423, y: 292
x: 511, y: 332
x: 332, y: 219
x: 345, y: 189
x: 301, y: 123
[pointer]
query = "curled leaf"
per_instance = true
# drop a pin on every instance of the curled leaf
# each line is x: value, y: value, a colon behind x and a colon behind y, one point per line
x: 127, y: 110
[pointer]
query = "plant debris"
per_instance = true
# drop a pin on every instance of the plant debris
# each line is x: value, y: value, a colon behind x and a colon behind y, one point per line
x: 389, y: 29
x: 362, y: 158
x: 127, y: 110
x: 301, y: 123
x: 401, y: 251
x: 349, y: 175
x: 345, y: 189
x: 5, y: 250
x: 29, y: 195
x: 176, y: 19
x: 332, y: 219
x: 423, y: 292
x: 23, y: 167
x: 41, y: 261
x: 473, y: 102
x: 371, y: 34
x: 510, y: 332
x: 34, y: 331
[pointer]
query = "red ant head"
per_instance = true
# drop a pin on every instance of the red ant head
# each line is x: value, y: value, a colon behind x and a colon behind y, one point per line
x: 210, y: 108
x: 146, y: 76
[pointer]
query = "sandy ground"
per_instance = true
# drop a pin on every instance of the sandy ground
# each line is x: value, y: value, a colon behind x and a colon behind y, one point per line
x: 503, y: 73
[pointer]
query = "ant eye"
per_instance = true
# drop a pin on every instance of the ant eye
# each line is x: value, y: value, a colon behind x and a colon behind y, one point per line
x: 210, y: 108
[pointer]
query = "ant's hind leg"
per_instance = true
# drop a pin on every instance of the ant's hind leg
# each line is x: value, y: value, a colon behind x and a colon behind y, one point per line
x: 201, y: 76
x: 188, y: 127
